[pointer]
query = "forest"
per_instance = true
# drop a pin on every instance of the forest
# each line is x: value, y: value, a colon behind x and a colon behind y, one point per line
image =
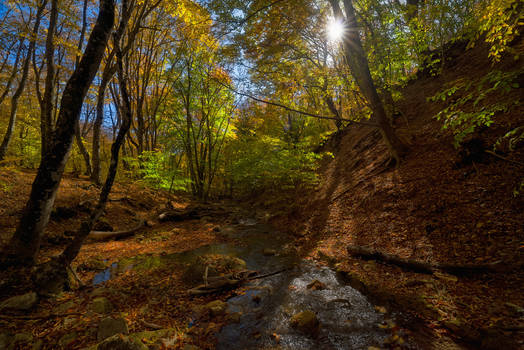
x: 261, y: 174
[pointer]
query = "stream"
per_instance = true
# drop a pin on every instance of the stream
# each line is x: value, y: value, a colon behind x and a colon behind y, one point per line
x: 347, y: 319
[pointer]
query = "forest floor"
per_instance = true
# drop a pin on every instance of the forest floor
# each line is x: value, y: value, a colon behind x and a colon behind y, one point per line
x: 439, y: 206
x: 155, y: 295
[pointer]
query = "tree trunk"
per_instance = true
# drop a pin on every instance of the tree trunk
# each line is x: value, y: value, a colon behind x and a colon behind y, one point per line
x: 25, y: 243
x: 16, y: 96
x: 82, y: 148
x: 46, y: 119
x: 95, y: 153
x: 71, y: 251
x: 13, y: 72
x: 357, y: 62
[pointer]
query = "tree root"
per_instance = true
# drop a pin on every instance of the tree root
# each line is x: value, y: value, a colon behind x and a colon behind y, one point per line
x: 104, y: 235
x: 423, y: 267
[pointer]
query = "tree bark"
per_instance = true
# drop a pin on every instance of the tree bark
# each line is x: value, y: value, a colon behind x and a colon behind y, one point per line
x: 356, y: 59
x: 46, y: 119
x: 25, y: 243
x: 108, y: 73
x: 78, y: 134
x: 71, y: 251
x: 82, y: 148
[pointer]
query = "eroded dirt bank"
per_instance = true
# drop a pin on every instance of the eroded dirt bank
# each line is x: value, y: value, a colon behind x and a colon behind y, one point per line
x: 441, y: 206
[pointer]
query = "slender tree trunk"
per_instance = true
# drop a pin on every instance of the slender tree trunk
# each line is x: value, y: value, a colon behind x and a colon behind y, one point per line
x: 82, y: 148
x: 357, y: 61
x: 46, y: 122
x: 13, y: 72
x: 25, y: 243
x: 78, y: 134
x: 97, y: 126
x: 71, y: 251
x: 21, y: 85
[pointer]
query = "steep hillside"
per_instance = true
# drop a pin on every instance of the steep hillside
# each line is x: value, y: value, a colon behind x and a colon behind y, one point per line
x: 441, y: 206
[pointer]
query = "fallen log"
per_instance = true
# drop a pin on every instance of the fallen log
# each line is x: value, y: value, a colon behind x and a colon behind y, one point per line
x: 105, y: 235
x: 424, y: 267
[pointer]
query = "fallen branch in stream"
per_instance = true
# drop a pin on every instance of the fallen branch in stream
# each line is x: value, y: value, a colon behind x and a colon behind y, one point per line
x: 151, y: 325
x: 423, y: 267
x: 229, y: 281
x: 39, y: 317
x: 103, y: 235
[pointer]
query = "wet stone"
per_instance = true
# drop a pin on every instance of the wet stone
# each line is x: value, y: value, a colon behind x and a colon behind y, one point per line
x: 20, y: 302
x: 216, y: 307
x: 101, y: 305
x: 111, y: 326
x: 67, y: 339
x: 62, y: 308
x: 5, y: 339
x: 121, y: 342
x: 306, y: 322
x: 98, y: 292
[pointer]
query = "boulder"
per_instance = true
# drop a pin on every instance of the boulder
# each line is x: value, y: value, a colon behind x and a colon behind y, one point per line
x: 121, y: 342
x: 63, y: 308
x: 306, y: 322
x: 20, y: 302
x: 5, y: 339
x: 111, y: 326
x: 67, y: 339
x: 100, y: 291
x: 101, y: 305
x: 18, y: 341
x: 216, y: 264
x: 216, y: 308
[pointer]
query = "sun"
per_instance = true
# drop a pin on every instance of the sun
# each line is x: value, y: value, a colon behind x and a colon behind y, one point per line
x: 335, y: 30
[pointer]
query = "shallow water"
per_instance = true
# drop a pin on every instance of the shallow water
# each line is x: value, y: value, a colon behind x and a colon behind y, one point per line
x: 347, y: 319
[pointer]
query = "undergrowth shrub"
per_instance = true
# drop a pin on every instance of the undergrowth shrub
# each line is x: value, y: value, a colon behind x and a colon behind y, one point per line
x: 468, y: 108
x: 269, y: 165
